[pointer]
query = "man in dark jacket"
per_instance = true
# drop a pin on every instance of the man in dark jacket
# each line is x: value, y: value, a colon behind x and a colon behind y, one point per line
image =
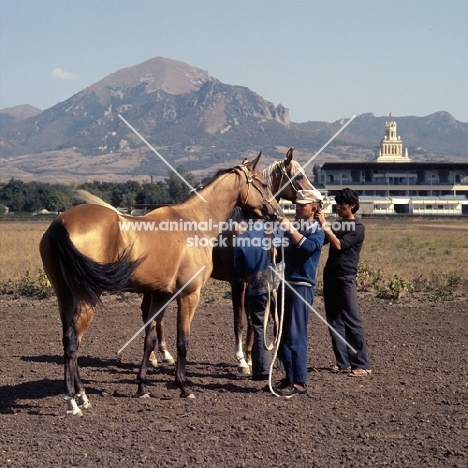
x: 253, y: 257
x: 339, y: 286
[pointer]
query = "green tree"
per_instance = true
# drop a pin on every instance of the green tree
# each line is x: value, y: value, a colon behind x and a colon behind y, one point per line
x: 13, y: 195
x: 177, y: 188
x: 153, y: 194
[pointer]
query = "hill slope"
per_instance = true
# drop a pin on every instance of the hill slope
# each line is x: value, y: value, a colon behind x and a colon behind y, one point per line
x: 193, y: 119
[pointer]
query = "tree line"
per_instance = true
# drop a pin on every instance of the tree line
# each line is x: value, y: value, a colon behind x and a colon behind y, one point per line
x: 32, y: 197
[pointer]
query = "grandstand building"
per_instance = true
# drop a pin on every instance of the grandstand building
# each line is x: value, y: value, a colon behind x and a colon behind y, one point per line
x: 393, y: 184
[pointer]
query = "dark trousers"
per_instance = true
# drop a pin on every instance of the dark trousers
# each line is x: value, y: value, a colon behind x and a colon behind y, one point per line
x: 341, y: 308
x: 293, y: 351
x: 261, y: 357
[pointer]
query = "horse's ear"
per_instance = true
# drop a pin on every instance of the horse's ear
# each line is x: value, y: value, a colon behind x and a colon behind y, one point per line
x: 253, y: 164
x: 245, y: 162
x: 289, y: 156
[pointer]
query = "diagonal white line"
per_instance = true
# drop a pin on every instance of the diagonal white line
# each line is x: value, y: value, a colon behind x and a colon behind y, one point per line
x: 161, y: 309
x: 157, y: 154
x: 314, y: 156
x: 315, y: 312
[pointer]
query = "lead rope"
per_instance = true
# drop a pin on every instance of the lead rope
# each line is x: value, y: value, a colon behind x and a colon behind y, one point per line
x: 280, y: 326
x: 272, y: 293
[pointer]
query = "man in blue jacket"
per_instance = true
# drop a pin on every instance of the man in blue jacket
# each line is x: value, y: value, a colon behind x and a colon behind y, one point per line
x: 301, y: 256
x: 253, y: 256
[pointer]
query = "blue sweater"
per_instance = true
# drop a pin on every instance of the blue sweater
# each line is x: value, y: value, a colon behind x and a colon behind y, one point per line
x: 302, y: 259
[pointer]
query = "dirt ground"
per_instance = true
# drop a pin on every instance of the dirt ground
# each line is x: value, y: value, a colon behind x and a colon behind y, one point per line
x: 412, y: 412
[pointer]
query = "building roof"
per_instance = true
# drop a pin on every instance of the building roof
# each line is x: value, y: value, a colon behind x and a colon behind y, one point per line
x: 393, y: 165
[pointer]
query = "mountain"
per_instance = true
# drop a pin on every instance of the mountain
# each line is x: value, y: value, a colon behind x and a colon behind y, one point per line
x: 11, y: 115
x: 437, y: 135
x: 190, y: 118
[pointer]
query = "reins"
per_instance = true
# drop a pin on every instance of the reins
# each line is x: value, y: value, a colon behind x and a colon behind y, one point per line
x: 251, y: 181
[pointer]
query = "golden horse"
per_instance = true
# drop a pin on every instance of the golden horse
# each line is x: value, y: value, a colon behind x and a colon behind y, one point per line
x: 284, y: 178
x: 85, y: 251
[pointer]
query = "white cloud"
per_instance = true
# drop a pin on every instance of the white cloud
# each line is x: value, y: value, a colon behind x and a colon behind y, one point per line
x: 59, y: 74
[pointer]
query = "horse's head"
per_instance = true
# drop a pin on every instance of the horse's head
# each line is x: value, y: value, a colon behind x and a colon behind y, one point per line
x: 254, y: 194
x: 285, y: 178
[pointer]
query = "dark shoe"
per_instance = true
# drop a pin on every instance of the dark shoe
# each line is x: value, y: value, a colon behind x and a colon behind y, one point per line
x: 260, y: 378
x: 281, y: 384
x: 292, y: 391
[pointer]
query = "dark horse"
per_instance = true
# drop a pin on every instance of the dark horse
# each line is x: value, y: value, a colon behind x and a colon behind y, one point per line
x: 85, y: 251
x: 284, y: 179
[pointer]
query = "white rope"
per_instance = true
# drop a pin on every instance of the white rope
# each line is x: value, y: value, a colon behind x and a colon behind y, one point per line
x: 280, y: 326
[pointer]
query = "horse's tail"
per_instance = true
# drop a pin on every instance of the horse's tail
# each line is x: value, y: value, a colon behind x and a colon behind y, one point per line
x: 89, y: 276
x: 88, y: 197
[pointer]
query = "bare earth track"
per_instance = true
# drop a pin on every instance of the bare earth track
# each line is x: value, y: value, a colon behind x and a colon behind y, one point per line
x: 412, y: 412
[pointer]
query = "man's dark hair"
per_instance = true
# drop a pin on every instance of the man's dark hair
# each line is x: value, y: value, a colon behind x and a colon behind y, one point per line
x: 349, y: 197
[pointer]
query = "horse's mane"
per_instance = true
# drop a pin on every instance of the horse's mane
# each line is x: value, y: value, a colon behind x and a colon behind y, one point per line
x: 236, y: 214
x: 268, y: 172
x: 200, y: 187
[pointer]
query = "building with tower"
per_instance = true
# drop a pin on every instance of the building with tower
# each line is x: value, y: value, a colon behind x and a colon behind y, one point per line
x: 394, y: 184
x: 391, y: 147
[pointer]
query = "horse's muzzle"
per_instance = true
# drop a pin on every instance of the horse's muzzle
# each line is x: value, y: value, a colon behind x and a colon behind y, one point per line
x: 274, y: 215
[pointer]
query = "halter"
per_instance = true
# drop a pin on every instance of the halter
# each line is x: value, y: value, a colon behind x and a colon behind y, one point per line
x: 251, y: 181
x: 282, y: 168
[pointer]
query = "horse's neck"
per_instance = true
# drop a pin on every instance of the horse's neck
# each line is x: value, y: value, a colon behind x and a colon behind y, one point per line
x: 221, y: 197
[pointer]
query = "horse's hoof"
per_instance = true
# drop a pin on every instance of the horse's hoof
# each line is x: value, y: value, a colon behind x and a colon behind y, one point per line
x: 142, y: 395
x: 75, y: 412
x: 243, y: 370
x: 85, y: 405
x: 83, y: 402
x: 167, y: 358
x: 72, y: 407
x: 153, y: 360
x: 187, y: 395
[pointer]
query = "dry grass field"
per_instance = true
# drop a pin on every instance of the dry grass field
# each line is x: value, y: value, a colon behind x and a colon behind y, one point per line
x: 423, y: 252
x: 19, y: 247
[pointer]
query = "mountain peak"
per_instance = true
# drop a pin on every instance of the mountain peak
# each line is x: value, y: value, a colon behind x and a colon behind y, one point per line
x: 21, y: 112
x: 158, y: 73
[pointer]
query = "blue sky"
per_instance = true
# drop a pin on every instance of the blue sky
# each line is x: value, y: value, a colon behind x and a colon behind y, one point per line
x: 324, y: 60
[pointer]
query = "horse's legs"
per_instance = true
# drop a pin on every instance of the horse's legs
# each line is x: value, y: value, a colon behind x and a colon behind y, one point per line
x: 187, y: 304
x: 161, y: 337
x: 238, y: 289
x: 75, y: 323
x: 249, y: 338
x: 151, y: 305
x: 162, y: 345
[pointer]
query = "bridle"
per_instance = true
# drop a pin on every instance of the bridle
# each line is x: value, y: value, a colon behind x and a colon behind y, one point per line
x: 251, y: 182
x: 284, y: 174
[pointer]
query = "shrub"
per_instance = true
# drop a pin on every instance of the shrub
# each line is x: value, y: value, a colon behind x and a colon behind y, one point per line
x: 395, y: 288
x: 37, y: 286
